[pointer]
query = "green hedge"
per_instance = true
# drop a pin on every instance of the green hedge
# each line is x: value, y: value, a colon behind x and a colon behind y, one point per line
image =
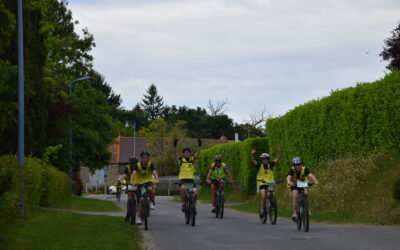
x: 349, y: 122
x: 44, y: 185
x: 237, y: 156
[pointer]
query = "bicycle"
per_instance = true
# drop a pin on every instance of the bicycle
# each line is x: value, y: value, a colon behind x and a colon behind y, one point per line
x: 303, y: 215
x: 190, y: 203
x: 145, y: 206
x: 131, y: 190
x: 220, y: 201
x: 118, y: 194
x: 270, y: 203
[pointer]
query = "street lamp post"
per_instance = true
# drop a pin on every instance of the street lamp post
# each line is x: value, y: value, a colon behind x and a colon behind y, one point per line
x: 21, y: 102
x: 70, y: 132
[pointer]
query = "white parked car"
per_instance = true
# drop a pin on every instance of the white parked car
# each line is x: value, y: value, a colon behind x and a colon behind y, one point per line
x: 113, y: 189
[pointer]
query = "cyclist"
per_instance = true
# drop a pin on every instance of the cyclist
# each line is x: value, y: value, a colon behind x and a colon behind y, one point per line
x: 216, y: 176
x: 298, y: 172
x: 142, y: 176
x: 127, y: 178
x: 265, y: 173
x: 119, y: 186
x: 187, y: 170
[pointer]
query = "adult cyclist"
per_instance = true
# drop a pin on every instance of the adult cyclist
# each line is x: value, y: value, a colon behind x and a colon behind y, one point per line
x: 216, y: 176
x: 302, y: 173
x: 186, y: 168
x: 142, y: 176
x: 265, y: 173
x: 127, y: 178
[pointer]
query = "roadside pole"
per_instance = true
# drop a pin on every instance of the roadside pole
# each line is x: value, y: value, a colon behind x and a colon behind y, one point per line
x: 105, y: 182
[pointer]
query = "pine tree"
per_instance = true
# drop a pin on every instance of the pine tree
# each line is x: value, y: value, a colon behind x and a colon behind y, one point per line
x: 153, y: 104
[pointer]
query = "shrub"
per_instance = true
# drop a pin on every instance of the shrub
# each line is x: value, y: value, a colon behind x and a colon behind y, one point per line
x: 396, y: 189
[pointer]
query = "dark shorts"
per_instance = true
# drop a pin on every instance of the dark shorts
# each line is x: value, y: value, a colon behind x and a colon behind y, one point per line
x: 265, y: 187
x: 296, y: 188
x: 189, y: 181
x: 139, y: 188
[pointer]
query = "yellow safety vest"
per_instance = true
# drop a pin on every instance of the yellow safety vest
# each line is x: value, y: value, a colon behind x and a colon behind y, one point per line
x: 143, y: 176
x: 187, y: 169
x: 218, y: 173
x: 128, y: 175
x: 303, y: 176
x: 265, y: 175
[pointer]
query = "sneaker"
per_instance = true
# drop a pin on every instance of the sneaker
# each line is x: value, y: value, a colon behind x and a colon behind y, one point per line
x: 139, y: 221
x: 152, y: 207
x: 213, y: 210
x: 294, y: 217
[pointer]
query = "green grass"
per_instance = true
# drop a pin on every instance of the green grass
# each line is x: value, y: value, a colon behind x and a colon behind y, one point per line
x: 252, y: 206
x: 85, y: 204
x: 63, y: 230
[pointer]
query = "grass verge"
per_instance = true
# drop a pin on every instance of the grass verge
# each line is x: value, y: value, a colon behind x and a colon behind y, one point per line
x: 85, y: 204
x: 64, y: 230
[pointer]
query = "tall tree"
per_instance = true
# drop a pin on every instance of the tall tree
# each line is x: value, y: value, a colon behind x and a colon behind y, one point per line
x: 391, y: 52
x: 153, y: 103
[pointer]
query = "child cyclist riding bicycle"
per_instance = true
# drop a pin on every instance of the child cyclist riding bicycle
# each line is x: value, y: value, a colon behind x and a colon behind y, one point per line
x: 142, y: 176
x: 127, y: 179
x: 187, y: 169
x: 298, y: 172
x: 216, y: 176
x: 265, y: 173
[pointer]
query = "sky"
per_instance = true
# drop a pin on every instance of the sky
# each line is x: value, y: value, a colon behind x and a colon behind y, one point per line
x: 256, y: 54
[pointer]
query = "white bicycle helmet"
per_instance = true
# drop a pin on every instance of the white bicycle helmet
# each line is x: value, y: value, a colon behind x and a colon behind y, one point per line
x: 264, y: 156
x: 297, y: 160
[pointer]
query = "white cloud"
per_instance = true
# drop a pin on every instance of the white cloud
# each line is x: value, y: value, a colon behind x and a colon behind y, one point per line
x: 272, y: 54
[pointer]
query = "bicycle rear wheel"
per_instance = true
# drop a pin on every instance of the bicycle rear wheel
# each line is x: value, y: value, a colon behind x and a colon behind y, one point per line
x: 221, y: 206
x: 133, y: 209
x: 145, y: 213
x: 305, y: 215
x: 273, y: 210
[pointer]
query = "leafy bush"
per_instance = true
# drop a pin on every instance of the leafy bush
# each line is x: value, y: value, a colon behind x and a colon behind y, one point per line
x: 350, y: 122
x: 237, y: 156
x: 43, y: 185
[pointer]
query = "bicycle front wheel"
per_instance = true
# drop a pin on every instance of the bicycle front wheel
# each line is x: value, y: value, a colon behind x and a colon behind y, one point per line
x: 133, y: 209
x: 145, y: 213
x: 305, y: 216
x: 273, y: 210
x: 221, y: 206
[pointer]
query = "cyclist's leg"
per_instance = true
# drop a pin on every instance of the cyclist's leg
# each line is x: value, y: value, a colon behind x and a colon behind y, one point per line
x: 213, y: 194
x: 139, y: 200
x: 263, y: 190
x: 295, y: 195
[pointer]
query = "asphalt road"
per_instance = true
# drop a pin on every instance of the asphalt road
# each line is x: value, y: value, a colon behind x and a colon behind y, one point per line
x: 239, y: 230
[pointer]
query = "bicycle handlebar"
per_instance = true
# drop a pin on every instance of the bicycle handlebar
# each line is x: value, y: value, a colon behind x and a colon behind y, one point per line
x: 276, y: 182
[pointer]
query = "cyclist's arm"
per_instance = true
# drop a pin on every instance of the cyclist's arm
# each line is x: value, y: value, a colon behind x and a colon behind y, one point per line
x: 229, y: 174
x: 208, y: 176
x: 155, y: 176
x: 196, y: 155
x: 252, y: 156
x: 312, y: 177
x: 289, y: 177
x: 279, y: 156
x: 132, y: 176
